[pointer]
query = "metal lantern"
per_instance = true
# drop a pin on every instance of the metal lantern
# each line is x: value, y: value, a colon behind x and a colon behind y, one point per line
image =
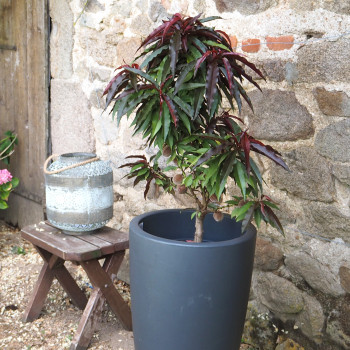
x: 79, y: 192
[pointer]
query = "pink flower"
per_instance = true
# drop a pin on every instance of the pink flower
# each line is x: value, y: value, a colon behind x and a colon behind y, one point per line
x: 5, y: 176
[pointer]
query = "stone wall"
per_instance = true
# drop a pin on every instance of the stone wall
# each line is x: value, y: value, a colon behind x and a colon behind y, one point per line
x: 301, y: 283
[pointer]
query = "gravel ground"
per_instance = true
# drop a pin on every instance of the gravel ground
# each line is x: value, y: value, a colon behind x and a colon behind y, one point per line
x: 54, y: 329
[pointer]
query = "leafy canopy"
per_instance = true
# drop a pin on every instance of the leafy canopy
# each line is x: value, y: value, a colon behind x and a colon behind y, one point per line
x: 176, y: 95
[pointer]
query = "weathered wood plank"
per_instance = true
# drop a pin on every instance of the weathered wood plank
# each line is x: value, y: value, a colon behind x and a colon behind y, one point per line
x: 24, y: 105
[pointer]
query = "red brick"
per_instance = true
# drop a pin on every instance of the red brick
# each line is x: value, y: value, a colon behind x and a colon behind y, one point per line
x: 280, y: 43
x: 251, y: 45
x: 234, y: 41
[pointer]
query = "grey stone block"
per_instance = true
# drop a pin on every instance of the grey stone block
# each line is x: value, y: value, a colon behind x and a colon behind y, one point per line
x: 333, y: 141
x: 310, y: 176
x: 278, y: 116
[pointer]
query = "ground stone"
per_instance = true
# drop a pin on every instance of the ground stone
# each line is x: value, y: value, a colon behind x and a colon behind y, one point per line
x: 310, y: 176
x: 268, y: 257
x: 338, y: 323
x: 289, y: 344
x: 273, y: 119
x: 342, y: 173
x: 70, y: 110
x: 327, y: 220
x: 344, y: 275
x: 311, y: 319
x: 317, y: 275
x: 335, y: 331
x: 334, y: 103
x: 278, y: 294
x: 247, y: 7
x: 333, y: 141
x: 318, y: 63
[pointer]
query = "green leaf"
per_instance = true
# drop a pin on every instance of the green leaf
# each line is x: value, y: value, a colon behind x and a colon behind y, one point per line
x: 256, y: 172
x: 15, y: 182
x: 240, y: 177
x: 188, y: 181
x: 184, y: 118
x: 137, y: 166
x: 241, y: 210
x: 170, y: 168
x: 142, y: 172
x: 183, y: 105
x: 207, y: 19
x: 248, y: 217
x: 144, y: 75
x: 4, y: 195
x: 166, y: 120
x: 226, y: 170
x: 164, y: 69
x: 156, y: 125
x: 3, y: 204
x: 182, y: 77
x: 257, y: 216
x: 216, y: 44
x: 159, y: 182
x: 150, y: 57
x: 175, y: 45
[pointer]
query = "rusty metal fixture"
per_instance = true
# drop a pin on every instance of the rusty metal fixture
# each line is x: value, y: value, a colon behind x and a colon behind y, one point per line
x: 79, y: 193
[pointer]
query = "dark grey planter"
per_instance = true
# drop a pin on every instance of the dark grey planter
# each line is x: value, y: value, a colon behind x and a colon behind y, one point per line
x: 189, y: 296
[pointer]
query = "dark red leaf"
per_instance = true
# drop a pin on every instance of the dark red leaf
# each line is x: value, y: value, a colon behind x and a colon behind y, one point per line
x: 136, y: 156
x: 273, y: 219
x: 154, y: 35
x: 148, y: 184
x: 227, y: 40
x: 269, y: 152
x: 201, y: 60
x: 212, y: 152
x: 245, y: 144
x: 210, y: 85
x: 229, y: 73
x: 172, y: 108
x: 240, y: 58
x: 177, y: 17
x: 175, y: 45
x: 132, y: 164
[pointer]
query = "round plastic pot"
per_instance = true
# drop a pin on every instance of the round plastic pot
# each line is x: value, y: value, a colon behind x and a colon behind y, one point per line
x: 184, y: 295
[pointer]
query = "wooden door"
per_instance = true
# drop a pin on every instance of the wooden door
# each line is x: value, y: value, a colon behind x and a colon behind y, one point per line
x: 24, y: 102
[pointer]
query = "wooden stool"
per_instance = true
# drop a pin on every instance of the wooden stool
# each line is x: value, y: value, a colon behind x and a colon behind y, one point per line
x: 55, y: 248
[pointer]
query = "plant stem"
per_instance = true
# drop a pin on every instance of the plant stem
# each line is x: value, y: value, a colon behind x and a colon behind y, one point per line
x: 198, y: 236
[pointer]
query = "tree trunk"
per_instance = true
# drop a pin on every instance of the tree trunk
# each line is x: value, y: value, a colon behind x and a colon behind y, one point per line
x: 198, y: 237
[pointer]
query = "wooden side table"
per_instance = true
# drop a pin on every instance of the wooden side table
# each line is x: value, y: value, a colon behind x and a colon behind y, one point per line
x: 55, y: 248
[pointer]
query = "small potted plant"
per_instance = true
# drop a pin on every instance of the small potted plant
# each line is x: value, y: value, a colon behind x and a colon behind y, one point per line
x: 7, y: 181
x: 190, y: 270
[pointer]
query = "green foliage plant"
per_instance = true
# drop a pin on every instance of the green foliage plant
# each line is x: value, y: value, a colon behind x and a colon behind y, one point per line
x: 7, y: 182
x: 176, y: 96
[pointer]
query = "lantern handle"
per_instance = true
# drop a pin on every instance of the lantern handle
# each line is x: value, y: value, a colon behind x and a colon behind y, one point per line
x: 67, y: 167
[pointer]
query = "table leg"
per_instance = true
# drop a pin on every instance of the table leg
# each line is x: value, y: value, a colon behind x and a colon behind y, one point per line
x: 37, y: 300
x: 53, y: 267
x: 103, y: 288
x: 65, y: 279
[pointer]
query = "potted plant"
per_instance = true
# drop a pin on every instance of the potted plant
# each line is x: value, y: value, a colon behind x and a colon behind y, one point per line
x: 190, y: 270
x: 7, y: 181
